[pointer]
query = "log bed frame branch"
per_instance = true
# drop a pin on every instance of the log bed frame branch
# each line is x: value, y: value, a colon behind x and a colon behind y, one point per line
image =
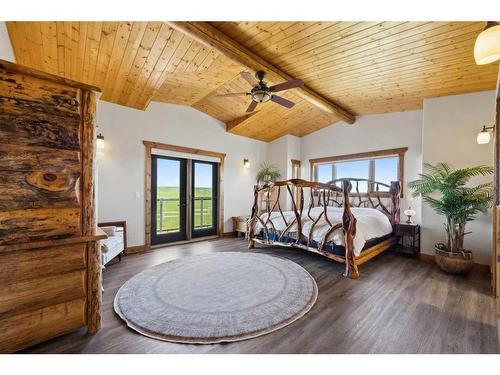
x: 208, y: 35
x: 324, y: 195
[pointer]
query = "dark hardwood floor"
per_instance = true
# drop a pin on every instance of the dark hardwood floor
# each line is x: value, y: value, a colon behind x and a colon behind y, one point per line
x: 399, y: 305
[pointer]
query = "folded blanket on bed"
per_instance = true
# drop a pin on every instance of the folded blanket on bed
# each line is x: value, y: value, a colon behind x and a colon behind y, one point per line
x: 371, y: 223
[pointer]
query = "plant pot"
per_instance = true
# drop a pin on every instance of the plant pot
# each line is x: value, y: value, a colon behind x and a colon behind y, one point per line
x: 456, y: 263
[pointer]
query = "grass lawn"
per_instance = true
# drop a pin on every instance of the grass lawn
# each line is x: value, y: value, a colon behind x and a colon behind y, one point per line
x: 170, y: 209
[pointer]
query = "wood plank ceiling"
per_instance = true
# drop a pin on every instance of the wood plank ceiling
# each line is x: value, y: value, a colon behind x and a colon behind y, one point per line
x: 365, y: 67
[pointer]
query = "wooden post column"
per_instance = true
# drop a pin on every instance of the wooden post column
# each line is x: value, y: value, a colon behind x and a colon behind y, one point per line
x: 94, y: 274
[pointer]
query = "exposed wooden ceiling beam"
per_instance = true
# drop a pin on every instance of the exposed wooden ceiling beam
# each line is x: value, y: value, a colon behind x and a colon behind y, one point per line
x: 210, y: 36
x: 233, y: 125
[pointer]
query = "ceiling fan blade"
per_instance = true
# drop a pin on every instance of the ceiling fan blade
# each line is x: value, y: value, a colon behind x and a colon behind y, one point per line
x: 249, y: 78
x: 232, y: 94
x: 282, y: 101
x: 252, y: 106
x: 287, y: 85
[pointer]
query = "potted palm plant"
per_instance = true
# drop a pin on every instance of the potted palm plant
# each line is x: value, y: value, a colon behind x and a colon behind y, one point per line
x: 446, y: 191
x: 267, y: 173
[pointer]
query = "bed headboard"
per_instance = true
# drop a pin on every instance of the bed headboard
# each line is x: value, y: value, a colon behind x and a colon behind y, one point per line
x: 380, y: 196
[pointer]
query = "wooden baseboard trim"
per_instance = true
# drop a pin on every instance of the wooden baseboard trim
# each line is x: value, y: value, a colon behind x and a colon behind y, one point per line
x: 428, y: 258
x: 135, y: 249
x: 228, y: 235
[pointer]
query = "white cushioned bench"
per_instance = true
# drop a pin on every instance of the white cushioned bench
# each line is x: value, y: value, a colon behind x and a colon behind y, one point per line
x: 116, y: 243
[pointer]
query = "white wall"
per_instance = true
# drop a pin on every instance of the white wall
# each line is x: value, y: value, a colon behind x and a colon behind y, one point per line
x: 371, y: 133
x: 280, y: 153
x: 121, y: 165
x: 277, y: 155
x: 294, y: 151
x: 6, y: 52
x: 450, y: 127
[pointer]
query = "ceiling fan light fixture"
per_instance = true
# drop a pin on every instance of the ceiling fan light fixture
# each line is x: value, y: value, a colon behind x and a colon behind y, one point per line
x: 261, y: 96
x: 487, y: 47
x: 262, y: 93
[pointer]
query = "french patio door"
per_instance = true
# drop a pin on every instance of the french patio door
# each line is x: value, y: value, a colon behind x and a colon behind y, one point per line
x: 168, y: 199
x: 204, y: 195
x: 184, y: 199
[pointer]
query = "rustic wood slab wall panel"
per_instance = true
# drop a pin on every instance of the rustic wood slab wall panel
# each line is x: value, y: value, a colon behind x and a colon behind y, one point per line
x: 27, y: 295
x: 27, y: 91
x: 364, y: 67
x: 30, y: 158
x: 18, y: 226
x: 37, y: 112
x: 48, y: 232
x: 35, y: 129
x: 29, y: 328
x: 29, y: 264
x: 27, y: 190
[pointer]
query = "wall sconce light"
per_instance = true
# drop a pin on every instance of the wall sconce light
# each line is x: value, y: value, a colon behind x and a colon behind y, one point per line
x: 246, y: 163
x: 484, y: 136
x: 487, y: 47
x: 100, y: 141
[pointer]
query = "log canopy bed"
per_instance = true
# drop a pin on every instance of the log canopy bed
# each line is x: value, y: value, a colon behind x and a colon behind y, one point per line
x: 336, y: 219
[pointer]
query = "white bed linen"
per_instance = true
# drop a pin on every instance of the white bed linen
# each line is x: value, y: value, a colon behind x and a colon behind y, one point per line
x: 371, y: 223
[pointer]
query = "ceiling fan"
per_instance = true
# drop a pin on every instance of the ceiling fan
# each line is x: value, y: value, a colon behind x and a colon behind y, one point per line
x: 262, y: 93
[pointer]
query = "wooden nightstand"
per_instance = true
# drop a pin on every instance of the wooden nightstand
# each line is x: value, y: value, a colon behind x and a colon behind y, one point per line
x: 408, y: 236
x: 240, y: 225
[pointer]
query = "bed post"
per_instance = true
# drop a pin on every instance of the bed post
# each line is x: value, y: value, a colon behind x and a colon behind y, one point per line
x: 253, y: 217
x: 395, y: 194
x: 349, y: 227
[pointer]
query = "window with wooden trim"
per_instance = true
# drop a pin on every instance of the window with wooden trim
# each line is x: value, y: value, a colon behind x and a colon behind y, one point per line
x: 382, y: 166
x: 296, y: 174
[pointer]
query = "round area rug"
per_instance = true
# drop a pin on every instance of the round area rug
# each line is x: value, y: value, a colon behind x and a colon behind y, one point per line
x: 214, y: 298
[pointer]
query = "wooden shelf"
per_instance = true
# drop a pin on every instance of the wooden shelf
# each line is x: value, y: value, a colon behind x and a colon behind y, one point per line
x: 99, y: 234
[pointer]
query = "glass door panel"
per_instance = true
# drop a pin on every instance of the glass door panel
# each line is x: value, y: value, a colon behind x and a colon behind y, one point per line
x: 204, y: 198
x: 168, y: 198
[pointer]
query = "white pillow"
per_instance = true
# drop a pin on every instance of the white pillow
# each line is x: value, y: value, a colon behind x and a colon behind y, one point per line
x: 110, y: 231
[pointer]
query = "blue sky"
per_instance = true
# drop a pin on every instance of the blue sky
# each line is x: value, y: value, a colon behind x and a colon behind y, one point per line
x: 168, y: 173
x: 386, y: 170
